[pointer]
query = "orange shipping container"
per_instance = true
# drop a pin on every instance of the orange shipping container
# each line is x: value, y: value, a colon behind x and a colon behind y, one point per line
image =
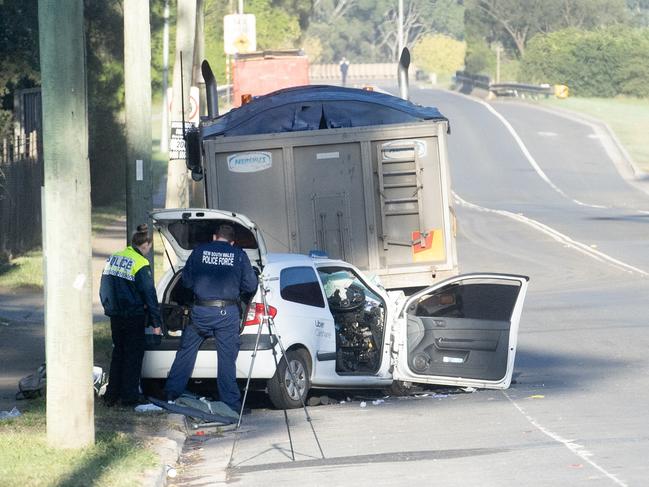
x: 264, y: 72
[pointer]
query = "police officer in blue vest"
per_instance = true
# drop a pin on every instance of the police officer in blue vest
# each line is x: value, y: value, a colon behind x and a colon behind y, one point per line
x: 217, y: 272
x: 128, y: 295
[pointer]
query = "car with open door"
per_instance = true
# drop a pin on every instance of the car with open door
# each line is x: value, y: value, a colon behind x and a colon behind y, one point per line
x: 339, y: 327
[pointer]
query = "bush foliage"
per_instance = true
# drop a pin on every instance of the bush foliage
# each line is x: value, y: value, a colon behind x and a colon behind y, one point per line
x: 602, y: 63
x: 439, y: 54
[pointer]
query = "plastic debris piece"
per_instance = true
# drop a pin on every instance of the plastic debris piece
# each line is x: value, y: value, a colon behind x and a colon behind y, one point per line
x: 14, y: 413
x: 378, y: 401
x: 147, y: 408
x: 469, y: 389
x: 171, y: 472
x: 363, y: 404
x: 537, y: 396
x: 439, y: 396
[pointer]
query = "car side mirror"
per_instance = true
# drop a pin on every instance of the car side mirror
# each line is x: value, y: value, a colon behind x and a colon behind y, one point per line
x: 193, y: 148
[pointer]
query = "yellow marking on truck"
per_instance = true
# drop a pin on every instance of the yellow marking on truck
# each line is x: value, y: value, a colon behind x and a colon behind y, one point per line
x: 434, y: 246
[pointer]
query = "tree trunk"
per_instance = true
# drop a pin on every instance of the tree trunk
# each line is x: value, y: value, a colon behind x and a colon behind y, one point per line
x: 67, y: 249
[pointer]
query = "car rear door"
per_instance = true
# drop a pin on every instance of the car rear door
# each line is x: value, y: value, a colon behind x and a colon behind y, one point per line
x: 463, y: 331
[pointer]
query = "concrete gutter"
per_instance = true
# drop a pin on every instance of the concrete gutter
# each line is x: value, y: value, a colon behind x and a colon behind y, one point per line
x: 167, y: 446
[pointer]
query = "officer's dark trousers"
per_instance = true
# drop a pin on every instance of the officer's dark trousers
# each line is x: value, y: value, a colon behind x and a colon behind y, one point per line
x: 209, y: 322
x: 126, y: 361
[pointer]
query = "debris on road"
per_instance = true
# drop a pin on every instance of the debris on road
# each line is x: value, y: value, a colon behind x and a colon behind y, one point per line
x: 148, y: 408
x: 14, y: 413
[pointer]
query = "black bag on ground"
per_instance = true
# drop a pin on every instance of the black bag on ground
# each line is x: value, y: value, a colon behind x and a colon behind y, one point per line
x: 33, y: 385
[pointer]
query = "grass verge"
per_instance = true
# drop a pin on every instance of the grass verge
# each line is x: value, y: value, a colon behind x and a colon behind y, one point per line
x: 25, y: 272
x: 118, y: 458
x: 627, y: 117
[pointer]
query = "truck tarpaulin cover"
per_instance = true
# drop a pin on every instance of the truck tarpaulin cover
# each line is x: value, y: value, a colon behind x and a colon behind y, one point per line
x: 317, y: 107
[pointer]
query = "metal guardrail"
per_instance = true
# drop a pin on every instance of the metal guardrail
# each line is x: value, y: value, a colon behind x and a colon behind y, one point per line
x: 520, y: 89
x: 469, y: 81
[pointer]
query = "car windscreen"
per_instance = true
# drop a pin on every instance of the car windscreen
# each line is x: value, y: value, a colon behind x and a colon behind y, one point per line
x: 191, y: 233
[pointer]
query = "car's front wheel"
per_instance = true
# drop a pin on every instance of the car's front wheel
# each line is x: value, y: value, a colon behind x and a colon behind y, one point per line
x: 286, y: 390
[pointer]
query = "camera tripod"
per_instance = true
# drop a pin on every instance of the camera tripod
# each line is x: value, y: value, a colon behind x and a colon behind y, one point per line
x: 275, y: 338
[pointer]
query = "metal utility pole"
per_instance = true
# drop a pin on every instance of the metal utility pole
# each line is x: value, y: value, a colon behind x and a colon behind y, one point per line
x: 164, y: 131
x: 67, y: 250
x: 400, y: 30
x: 177, y: 181
x: 137, y: 89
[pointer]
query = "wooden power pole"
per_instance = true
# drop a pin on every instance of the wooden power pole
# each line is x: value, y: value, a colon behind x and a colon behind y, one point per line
x: 177, y: 182
x: 137, y: 87
x: 66, y: 240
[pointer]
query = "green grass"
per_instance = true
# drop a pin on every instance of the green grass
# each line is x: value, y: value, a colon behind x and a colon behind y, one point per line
x: 105, y: 215
x: 23, y: 273
x: 627, y: 117
x: 118, y: 457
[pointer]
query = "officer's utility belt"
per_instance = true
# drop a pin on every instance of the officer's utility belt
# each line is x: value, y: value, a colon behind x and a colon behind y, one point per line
x: 221, y: 303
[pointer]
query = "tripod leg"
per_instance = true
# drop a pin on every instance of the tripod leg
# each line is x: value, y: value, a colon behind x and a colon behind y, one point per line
x: 252, y: 364
x: 295, y: 382
x: 288, y: 427
x: 245, y: 393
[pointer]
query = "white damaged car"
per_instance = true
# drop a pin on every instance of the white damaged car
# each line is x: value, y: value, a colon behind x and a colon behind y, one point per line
x: 340, y: 329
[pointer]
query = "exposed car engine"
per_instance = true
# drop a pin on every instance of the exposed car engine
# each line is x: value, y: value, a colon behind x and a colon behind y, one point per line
x: 359, y: 328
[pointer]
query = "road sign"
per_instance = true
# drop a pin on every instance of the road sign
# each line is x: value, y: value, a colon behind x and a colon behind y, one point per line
x: 192, y: 112
x: 177, y: 148
x: 239, y: 33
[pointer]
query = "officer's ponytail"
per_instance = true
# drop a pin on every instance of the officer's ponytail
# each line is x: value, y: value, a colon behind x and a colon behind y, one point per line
x: 141, y: 236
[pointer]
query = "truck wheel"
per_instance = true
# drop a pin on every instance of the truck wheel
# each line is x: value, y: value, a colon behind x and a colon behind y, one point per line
x: 284, y: 393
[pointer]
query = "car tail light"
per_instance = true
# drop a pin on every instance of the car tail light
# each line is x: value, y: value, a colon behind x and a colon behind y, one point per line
x: 255, y: 314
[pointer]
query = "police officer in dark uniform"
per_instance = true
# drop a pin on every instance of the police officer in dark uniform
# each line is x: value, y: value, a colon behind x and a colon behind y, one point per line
x: 217, y: 272
x: 128, y: 295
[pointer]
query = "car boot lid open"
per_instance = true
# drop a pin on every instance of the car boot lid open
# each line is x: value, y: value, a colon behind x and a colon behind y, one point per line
x: 186, y: 228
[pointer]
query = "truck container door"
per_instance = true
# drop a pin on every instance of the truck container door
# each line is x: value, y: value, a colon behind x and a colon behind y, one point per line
x: 331, y: 213
x: 462, y: 331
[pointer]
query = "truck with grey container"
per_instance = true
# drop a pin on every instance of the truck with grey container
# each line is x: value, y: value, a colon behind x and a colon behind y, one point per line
x: 359, y: 174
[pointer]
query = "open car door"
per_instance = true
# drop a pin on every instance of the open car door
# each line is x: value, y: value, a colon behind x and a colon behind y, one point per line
x: 462, y: 331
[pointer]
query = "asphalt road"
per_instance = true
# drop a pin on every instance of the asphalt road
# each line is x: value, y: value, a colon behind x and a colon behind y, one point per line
x: 576, y: 414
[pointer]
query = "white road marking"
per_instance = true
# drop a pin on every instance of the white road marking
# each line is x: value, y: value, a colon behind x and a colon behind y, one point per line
x: 531, y: 159
x: 575, y: 448
x: 547, y: 134
x: 602, y: 139
x: 558, y: 236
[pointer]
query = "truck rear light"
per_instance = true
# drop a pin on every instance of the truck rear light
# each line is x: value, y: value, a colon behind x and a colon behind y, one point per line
x: 255, y: 314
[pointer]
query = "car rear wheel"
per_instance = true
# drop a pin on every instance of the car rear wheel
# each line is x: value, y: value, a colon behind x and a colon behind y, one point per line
x: 283, y: 390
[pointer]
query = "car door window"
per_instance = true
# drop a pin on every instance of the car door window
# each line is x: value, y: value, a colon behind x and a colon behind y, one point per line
x: 301, y: 285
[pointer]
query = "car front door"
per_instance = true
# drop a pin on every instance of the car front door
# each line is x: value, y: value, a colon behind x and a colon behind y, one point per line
x: 462, y: 331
